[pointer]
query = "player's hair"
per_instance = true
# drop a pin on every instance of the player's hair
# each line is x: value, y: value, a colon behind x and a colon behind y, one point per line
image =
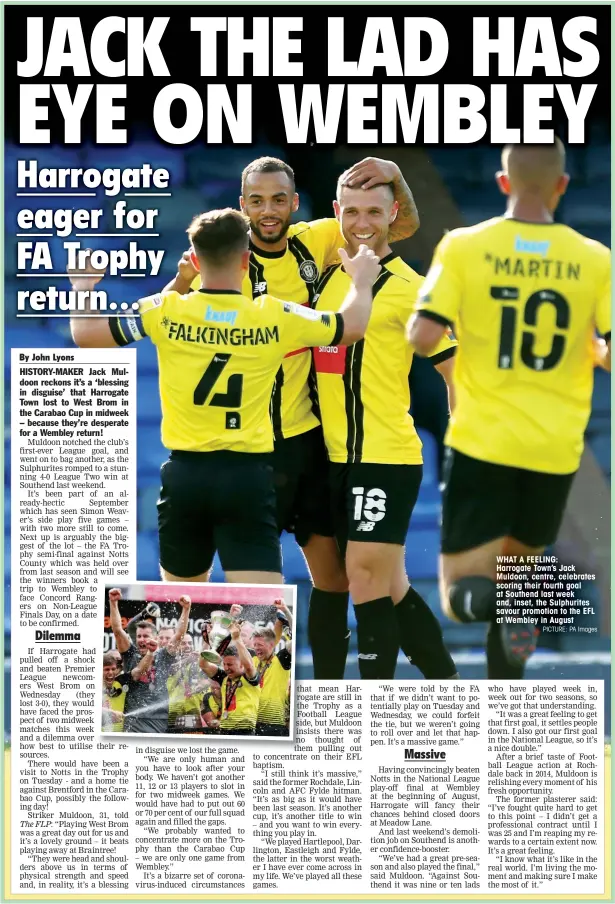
x: 219, y: 235
x: 534, y: 165
x: 110, y: 659
x: 146, y: 624
x: 265, y: 633
x: 230, y: 651
x: 267, y: 165
x: 338, y: 190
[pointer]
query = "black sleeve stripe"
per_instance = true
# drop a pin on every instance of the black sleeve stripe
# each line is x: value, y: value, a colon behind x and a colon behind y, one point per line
x: 253, y: 681
x: 339, y: 329
x: 443, y: 356
x: 437, y: 318
x: 607, y: 336
x: 116, y: 332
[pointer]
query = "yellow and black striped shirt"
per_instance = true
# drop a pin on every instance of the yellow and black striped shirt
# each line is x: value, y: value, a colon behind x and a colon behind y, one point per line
x: 363, y: 390
x: 292, y: 275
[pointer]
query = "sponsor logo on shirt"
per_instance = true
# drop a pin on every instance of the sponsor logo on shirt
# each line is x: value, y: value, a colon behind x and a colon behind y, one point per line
x: 330, y: 359
x: 523, y: 246
x: 213, y: 316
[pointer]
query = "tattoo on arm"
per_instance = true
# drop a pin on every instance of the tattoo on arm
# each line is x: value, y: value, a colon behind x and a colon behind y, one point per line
x: 407, y: 221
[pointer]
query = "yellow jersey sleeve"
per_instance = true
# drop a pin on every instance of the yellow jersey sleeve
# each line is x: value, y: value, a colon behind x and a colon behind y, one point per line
x: 325, y: 234
x: 303, y: 327
x: 603, y: 304
x: 439, y: 297
x: 142, y: 323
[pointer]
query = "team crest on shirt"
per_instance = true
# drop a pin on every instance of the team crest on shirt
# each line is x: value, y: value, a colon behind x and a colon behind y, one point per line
x: 308, y: 271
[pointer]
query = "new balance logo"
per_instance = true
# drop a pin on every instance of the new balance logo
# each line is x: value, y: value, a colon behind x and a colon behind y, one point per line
x: 366, y: 525
x: 260, y: 288
x: 367, y: 656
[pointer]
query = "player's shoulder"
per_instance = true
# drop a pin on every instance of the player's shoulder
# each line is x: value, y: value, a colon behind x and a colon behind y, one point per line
x: 464, y: 234
x: 305, y: 227
x: 402, y: 271
x: 595, y: 249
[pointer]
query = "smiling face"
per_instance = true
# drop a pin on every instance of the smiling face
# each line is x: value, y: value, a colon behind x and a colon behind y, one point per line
x: 365, y: 216
x: 269, y: 200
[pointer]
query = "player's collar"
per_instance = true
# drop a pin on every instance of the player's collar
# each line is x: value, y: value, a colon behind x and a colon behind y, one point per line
x: 391, y: 256
x: 219, y: 291
x: 269, y: 254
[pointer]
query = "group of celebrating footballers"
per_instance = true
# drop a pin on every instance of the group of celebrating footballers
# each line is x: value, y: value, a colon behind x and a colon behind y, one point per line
x: 284, y: 352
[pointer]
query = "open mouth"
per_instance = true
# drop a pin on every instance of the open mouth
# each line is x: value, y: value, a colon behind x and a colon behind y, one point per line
x: 364, y: 237
x: 270, y: 225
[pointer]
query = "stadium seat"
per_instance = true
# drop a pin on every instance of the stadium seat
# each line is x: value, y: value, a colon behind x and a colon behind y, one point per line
x: 147, y: 515
x: 147, y: 556
x: 150, y: 452
x: 147, y: 358
x: 148, y: 399
x: 422, y: 550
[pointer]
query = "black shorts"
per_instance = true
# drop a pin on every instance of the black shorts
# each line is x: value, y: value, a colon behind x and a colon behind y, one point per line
x: 217, y: 501
x: 482, y: 502
x: 374, y: 503
x: 300, y: 469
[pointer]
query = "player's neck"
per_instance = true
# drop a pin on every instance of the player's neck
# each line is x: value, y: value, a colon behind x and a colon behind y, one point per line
x: 384, y: 252
x: 530, y: 209
x: 221, y: 281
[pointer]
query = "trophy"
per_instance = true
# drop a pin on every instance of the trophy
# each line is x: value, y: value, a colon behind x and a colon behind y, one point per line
x: 219, y: 637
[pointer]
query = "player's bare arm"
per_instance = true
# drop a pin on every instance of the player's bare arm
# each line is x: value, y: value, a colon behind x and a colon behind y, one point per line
x: 374, y: 171
x: 363, y: 269
x: 209, y: 668
x: 182, y: 625
x: 446, y: 370
x: 424, y: 334
x: 122, y: 640
x: 242, y: 651
x: 147, y: 660
x: 87, y: 330
x: 186, y: 271
x: 284, y: 617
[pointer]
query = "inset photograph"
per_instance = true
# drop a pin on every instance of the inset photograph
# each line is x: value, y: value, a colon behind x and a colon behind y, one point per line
x: 198, y: 659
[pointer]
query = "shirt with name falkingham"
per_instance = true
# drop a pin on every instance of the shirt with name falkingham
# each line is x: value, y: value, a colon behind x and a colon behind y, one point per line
x: 292, y: 275
x: 218, y: 355
x: 363, y: 390
x: 525, y: 300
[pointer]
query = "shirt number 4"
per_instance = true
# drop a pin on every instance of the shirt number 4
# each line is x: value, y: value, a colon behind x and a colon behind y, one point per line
x: 232, y: 397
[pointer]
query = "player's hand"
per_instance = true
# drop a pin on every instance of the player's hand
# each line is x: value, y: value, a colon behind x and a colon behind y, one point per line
x: 185, y: 602
x: 235, y: 610
x: 363, y: 268
x: 214, y: 723
x: 85, y: 278
x: 369, y: 172
x: 152, y: 645
x: 600, y: 351
x: 283, y: 608
x: 115, y: 595
x: 235, y: 630
x: 186, y: 268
